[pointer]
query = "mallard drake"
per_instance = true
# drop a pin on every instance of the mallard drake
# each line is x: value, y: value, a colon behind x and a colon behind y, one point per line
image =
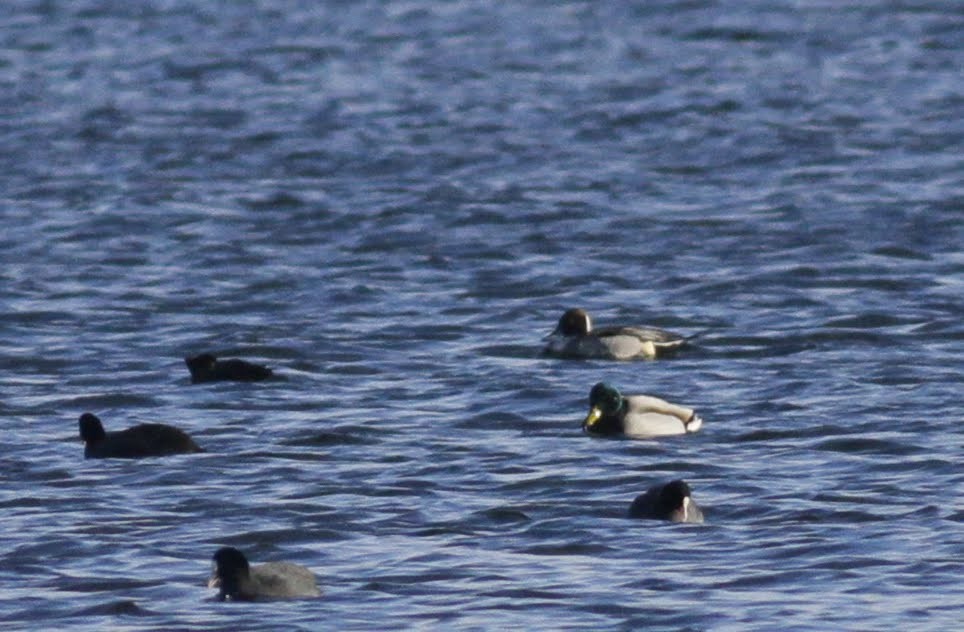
x: 636, y: 415
x: 138, y: 441
x: 574, y: 337
x: 239, y: 581
x: 668, y: 501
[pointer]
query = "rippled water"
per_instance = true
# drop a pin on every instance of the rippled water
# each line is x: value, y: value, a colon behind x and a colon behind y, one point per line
x: 390, y: 203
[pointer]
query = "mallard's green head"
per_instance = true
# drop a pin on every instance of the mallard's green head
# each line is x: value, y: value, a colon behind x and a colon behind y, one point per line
x: 604, y: 401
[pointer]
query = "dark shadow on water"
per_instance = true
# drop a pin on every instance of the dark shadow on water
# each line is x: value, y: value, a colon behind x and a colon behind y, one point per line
x: 114, y: 608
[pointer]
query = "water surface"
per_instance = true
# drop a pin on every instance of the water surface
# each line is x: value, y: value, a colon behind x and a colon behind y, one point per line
x: 390, y: 203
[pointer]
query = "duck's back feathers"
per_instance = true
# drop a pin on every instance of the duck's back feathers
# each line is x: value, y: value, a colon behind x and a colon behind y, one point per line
x: 651, y: 424
x: 647, y: 404
x: 648, y: 416
x: 658, y: 336
x: 284, y: 579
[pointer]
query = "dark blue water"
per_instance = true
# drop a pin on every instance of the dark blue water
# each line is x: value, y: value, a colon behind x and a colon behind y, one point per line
x: 390, y: 203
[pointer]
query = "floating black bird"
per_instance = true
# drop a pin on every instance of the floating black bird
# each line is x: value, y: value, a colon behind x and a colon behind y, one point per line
x: 135, y: 442
x: 207, y: 368
x: 239, y: 581
x: 670, y: 501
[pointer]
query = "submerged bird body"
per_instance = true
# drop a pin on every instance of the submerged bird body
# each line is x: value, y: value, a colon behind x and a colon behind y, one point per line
x: 239, y: 581
x: 670, y: 501
x: 574, y: 337
x: 142, y: 440
x: 207, y: 368
x: 636, y: 415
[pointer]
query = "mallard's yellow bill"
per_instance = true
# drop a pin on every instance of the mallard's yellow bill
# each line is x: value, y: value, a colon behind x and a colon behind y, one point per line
x: 595, y: 414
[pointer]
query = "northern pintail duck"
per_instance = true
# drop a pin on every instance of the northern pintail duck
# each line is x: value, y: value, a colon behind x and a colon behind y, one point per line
x: 574, y: 337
